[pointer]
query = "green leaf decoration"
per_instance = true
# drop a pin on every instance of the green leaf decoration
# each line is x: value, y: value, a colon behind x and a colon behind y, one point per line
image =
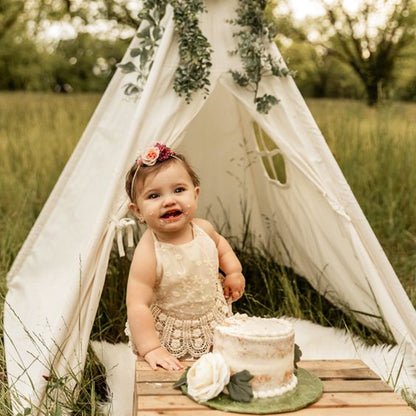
x: 297, y: 355
x: 135, y: 52
x: 131, y: 89
x: 265, y: 103
x: 195, y: 51
x: 182, y: 380
x: 254, y: 35
x: 240, y: 79
x: 145, y: 33
x: 239, y: 387
x: 127, y: 68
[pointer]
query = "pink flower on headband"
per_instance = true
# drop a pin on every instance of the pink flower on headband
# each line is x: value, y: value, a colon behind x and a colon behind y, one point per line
x: 149, y: 156
x: 156, y: 153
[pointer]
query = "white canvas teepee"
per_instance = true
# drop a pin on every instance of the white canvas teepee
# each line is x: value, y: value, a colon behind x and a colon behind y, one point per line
x: 312, y: 221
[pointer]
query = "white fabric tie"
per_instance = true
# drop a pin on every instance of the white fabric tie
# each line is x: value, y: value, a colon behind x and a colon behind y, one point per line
x: 128, y: 225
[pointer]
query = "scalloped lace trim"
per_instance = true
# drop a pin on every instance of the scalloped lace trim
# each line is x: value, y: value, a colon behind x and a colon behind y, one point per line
x: 187, y: 337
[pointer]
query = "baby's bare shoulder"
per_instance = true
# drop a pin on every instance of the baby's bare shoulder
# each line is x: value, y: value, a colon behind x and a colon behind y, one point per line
x: 204, y: 224
x: 145, y: 247
x: 207, y: 227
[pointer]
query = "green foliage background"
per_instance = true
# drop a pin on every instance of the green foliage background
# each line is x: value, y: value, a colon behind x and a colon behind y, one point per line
x: 30, y: 62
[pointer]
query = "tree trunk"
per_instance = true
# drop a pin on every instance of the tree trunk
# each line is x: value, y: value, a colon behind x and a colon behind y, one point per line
x: 372, y: 93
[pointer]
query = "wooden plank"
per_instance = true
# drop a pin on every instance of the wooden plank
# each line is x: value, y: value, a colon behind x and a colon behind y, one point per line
x: 328, y: 369
x: 161, y: 375
x: 347, y: 374
x: 327, y: 400
x: 331, y: 364
x: 306, y: 364
x: 153, y: 389
x: 339, y: 369
x: 341, y: 399
x: 142, y: 365
x: 343, y: 411
x: 168, y: 403
x: 330, y: 386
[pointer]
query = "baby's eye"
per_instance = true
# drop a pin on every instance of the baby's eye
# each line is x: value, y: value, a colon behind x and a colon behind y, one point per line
x: 154, y: 195
x: 179, y: 189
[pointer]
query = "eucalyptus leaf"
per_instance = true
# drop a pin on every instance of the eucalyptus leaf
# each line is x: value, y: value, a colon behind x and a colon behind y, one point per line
x: 254, y: 33
x: 156, y: 33
x: 127, y: 68
x: 135, y: 52
x: 297, y: 355
x: 265, y: 103
x: 239, y: 387
x: 182, y: 380
x: 144, y: 58
x: 131, y: 89
x: 145, y: 33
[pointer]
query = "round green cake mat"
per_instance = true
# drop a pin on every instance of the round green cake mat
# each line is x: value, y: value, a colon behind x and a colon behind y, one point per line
x: 308, y: 390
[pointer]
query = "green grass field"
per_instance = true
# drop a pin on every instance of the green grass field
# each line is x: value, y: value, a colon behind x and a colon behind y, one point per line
x: 376, y: 149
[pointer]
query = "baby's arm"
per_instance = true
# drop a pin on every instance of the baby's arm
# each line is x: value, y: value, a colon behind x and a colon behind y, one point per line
x: 139, y: 297
x: 234, y: 281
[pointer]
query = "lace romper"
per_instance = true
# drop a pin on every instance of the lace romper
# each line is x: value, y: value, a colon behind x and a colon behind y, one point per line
x: 188, y: 297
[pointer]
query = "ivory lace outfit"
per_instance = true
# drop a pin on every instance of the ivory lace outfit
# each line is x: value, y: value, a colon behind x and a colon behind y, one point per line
x: 188, y: 300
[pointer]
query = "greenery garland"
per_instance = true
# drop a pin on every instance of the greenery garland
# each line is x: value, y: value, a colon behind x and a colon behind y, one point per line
x: 150, y: 33
x: 193, y: 71
x: 255, y: 33
x: 195, y: 51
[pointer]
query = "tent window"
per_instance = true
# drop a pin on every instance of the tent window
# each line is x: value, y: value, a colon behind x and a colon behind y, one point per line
x: 271, y: 156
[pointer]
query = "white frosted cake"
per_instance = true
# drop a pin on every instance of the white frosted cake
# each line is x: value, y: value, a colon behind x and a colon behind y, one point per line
x: 262, y: 346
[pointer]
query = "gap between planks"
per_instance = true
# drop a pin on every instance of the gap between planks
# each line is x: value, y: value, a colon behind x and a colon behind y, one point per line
x: 330, y: 386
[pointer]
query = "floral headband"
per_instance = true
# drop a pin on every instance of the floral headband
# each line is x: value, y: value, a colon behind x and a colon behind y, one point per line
x: 155, y: 153
x: 149, y: 156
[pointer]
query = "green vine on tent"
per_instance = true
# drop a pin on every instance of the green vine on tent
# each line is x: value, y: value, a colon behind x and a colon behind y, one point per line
x: 193, y: 71
x: 150, y: 33
x: 253, y: 37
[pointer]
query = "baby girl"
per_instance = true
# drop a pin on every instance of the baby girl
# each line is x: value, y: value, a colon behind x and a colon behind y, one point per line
x: 175, y: 294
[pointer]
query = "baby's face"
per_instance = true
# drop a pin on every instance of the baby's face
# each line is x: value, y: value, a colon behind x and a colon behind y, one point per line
x: 167, y: 200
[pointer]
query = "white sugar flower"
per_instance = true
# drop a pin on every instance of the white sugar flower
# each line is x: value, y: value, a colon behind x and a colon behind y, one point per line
x: 208, y: 377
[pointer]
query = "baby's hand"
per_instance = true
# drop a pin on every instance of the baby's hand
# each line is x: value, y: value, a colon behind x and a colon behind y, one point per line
x: 163, y: 358
x: 233, y: 286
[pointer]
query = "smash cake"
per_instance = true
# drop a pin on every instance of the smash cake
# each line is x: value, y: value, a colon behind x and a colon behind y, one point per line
x: 262, y: 346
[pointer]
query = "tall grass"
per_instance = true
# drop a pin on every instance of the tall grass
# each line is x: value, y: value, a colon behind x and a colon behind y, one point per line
x: 376, y: 150
x: 37, y: 135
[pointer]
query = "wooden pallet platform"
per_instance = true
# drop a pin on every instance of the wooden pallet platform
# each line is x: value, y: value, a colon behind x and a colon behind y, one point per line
x: 350, y: 389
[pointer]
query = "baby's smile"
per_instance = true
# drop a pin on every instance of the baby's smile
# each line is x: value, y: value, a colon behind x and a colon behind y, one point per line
x: 172, y: 214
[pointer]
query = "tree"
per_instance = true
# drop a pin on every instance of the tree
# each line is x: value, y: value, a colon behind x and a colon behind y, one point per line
x: 371, y: 48
x: 31, y: 61
x: 10, y: 11
x: 83, y: 15
x: 85, y: 63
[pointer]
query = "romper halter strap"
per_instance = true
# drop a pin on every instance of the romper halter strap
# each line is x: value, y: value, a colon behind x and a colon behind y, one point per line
x: 194, y: 228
